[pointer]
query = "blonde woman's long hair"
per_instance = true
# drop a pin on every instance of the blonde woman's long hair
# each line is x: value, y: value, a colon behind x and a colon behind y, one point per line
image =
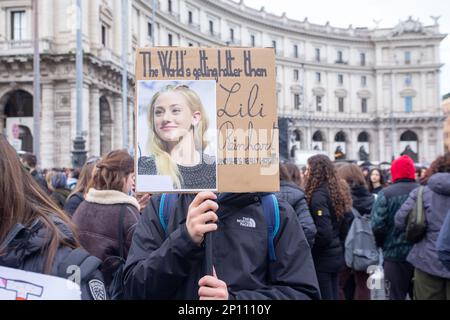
x: 158, y: 148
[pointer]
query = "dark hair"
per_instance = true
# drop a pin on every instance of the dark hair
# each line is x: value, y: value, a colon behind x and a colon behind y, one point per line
x: 284, y: 174
x: 84, y: 178
x: 441, y: 164
x: 30, y: 159
x: 24, y: 201
x: 112, y: 171
x: 352, y: 174
x: 294, y: 173
x: 382, y: 178
x: 321, y: 170
x: 59, y: 180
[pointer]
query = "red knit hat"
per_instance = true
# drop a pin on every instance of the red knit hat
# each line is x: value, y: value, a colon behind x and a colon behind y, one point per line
x: 403, y: 168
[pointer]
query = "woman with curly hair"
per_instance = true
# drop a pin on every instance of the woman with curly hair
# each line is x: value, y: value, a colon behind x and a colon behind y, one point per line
x: 431, y: 278
x: 328, y: 202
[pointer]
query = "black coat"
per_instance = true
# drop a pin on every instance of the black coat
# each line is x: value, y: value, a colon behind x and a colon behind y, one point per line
x: 170, y: 268
x: 39, y: 178
x: 362, y: 199
x: 295, y: 196
x: 24, y: 251
x: 327, y: 251
x: 73, y: 202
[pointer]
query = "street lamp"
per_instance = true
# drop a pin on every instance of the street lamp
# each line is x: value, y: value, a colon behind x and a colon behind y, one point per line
x: 79, y: 144
x: 36, y: 85
x: 124, y: 74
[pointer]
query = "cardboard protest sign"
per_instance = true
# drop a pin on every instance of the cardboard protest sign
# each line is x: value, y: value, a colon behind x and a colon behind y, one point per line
x: 21, y: 285
x: 206, y: 120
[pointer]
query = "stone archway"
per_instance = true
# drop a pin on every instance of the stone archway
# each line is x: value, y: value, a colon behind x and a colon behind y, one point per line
x: 16, y: 119
x: 318, y: 141
x: 409, y: 144
x: 363, y: 146
x: 340, y: 146
x: 296, y: 142
x: 106, y: 125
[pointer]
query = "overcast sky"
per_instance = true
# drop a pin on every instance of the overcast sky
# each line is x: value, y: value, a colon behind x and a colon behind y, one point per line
x: 361, y: 13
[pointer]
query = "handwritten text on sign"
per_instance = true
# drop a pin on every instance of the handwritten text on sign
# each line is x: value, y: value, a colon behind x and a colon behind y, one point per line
x: 246, y: 100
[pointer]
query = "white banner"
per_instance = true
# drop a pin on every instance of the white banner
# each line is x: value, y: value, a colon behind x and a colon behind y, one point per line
x: 22, y: 285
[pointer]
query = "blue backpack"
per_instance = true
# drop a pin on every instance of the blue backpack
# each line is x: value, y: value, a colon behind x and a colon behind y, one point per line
x: 270, y: 209
x: 443, y: 242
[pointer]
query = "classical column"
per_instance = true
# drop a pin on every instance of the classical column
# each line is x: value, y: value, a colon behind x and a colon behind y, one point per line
x: 131, y: 129
x: 94, y: 128
x: 381, y: 144
x: 117, y: 124
x: 352, y: 145
x: 47, y: 125
x: 424, y: 153
x: 423, y: 92
x: 330, y: 144
x: 379, y: 103
x: 308, y: 138
x: 85, y: 123
x: 394, y: 109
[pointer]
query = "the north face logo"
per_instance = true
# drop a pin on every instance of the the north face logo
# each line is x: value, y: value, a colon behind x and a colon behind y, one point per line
x: 247, y: 222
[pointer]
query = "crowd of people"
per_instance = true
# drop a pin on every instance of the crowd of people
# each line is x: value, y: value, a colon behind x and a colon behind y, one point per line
x: 142, y: 246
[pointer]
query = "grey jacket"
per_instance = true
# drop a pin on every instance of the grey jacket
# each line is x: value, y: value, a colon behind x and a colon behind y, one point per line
x: 436, y: 199
x: 291, y: 193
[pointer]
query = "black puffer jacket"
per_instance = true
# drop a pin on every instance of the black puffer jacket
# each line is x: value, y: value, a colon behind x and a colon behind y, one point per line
x: 295, y: 196
x: 73, y: 202
x: 24, y: 251
x: 362, y: 199
x: 327, y: 252
x: 169, y: 267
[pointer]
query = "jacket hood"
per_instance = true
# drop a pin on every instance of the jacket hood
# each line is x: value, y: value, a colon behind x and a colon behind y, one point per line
x: 240, y: 199
x: 289, y: 184
x: 362, y: 199
x: 440, y: 183
x: 22, y: 241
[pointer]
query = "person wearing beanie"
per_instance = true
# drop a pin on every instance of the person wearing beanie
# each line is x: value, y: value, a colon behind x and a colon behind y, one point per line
x: 397, y: 271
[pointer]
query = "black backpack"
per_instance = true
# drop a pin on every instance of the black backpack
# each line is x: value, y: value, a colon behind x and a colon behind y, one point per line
x: 115, y: 288
x: 87, y: 265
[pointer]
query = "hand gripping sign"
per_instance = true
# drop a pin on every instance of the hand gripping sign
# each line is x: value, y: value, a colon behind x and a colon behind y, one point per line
x: 21, y: 285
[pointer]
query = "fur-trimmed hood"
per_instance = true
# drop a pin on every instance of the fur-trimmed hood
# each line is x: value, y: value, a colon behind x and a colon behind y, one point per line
x: 110, y: 197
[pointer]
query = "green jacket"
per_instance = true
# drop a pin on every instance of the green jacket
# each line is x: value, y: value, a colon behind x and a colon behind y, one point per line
x: 389, y: 200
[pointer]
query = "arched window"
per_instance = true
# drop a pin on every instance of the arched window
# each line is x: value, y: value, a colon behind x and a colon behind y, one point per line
x: 298, y: 135
x: 105, y: 126
x: 317, y: 136
x: 408, y: 136
x: 340, y: 137
x: 363, y: 137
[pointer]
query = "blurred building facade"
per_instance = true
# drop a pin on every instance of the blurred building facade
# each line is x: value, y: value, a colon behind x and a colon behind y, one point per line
x: 364, y: 93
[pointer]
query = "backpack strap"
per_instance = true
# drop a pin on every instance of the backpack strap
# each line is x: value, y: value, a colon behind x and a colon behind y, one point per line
x: 272, y: 216
x: 166, y: 206
x: 81, y: 258
x: 120, y: 231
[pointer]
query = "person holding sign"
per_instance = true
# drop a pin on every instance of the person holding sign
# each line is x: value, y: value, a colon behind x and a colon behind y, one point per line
x: 36, y: 236
x: 168, y: 261
x: 177, y: 124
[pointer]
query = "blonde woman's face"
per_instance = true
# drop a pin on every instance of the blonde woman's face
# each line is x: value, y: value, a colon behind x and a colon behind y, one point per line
x: 172, y: 116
